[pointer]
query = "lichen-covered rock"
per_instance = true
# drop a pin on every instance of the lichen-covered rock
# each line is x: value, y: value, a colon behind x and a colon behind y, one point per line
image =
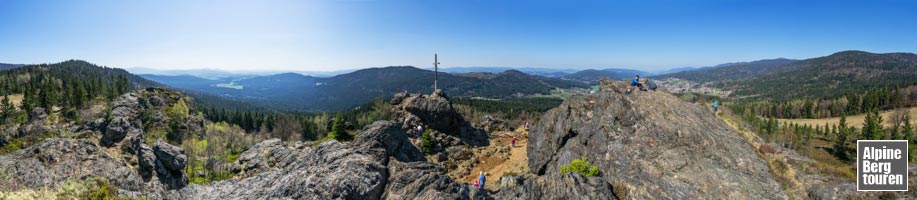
x: 57, y: 160
x: 172, y: 157
x: 124, y: 121
x: 652, y: 142
x: 435, y: 112
x: 423, y: 180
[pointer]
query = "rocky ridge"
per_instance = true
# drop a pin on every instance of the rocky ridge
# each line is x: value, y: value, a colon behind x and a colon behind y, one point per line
x: 647, y: 145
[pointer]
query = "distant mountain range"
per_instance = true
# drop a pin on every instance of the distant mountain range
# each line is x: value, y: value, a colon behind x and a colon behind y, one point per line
x: 786, y: 79
x: 4, y: 66
x: 842, y: 72
x: 836, y: 74
x: 592, y: 76
x: 220, y: 74
x: 298, y: 92
x: 528, y: 70
x: 730, y: 71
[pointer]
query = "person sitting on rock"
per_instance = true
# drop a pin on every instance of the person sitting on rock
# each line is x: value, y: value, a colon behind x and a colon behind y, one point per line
x: 642, y: 84
x: 633, y: 83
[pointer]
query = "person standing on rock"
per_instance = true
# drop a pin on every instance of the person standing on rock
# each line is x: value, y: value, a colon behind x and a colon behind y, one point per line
x: 482, y: 179
x: 715, y: 105
x: 512, y: 142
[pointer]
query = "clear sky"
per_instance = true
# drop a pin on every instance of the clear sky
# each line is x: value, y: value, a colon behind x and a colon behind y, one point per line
x: 348, y: 34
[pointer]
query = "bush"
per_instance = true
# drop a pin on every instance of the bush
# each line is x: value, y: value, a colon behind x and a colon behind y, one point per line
x: 581, y: 166
x: 426, y: 142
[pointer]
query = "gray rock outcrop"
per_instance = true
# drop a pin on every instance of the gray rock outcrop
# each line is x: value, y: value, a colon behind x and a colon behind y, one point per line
x: 651, y: 142
x: 379, y: 164
x: 435, y: 113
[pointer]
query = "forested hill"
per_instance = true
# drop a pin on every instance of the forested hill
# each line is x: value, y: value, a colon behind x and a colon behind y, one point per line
x: 4, y: 66
x: 592, y: 76
x: 291, y: 91
x: 732, y: 71
x: 836, y: 74
x: 68, y: 85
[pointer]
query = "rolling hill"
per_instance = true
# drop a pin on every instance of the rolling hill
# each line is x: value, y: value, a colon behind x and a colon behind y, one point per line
x: 292, y: 91
x: 731, y: 71
x: 5, y: 66
x: 838, y: 73
x: 592, y: 76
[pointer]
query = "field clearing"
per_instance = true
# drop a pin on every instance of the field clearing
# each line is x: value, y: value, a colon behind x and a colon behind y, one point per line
x: 230, y: 85
x: 15, y: 99
x: 853, y: 120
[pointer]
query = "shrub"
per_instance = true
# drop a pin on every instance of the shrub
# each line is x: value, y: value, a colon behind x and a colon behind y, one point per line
x: 426, y: 142
x: 581, y: 166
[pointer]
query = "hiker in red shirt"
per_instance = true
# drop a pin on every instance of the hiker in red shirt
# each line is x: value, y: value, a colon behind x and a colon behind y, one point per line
x: 513, y: 141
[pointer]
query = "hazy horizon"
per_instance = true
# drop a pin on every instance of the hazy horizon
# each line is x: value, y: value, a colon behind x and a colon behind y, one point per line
x: 347, y: 35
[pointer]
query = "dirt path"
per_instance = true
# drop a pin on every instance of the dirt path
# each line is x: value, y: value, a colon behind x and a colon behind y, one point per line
x: 496, y: 161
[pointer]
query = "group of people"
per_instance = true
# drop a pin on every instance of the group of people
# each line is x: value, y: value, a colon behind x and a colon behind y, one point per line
x: 642, y: 84
x: 416, y: 130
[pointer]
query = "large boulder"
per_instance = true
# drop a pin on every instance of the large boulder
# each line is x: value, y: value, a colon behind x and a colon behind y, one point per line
x: 56, y: 160
x: 172, y: 157
x: 125, y: 122
x: 651, y: 142
x: 435, y: 113
x: 379, y: 164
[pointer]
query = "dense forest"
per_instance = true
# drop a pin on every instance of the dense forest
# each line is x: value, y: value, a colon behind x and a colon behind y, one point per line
x: 851, y: 103
x: 295, y: 92
x: 837, y: 74
x: 843, y: 135
x: 67, y: 87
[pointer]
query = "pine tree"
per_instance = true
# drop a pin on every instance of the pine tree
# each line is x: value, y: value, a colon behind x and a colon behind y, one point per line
x: 827, y: 130
x: 6, y: 107
x: 894, y: 132
x: 872, y: 127
x: 907, y: 132
x: 337, y: 129
x: 840, y: 143
x: 28, y: 100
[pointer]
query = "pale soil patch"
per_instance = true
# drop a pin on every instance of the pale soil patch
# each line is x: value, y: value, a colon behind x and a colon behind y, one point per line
x: 497, y: 164
x: 15, y: 99
x: 853, y: 120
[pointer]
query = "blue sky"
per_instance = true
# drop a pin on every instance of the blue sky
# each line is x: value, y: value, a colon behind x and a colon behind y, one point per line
x: 348, y: 34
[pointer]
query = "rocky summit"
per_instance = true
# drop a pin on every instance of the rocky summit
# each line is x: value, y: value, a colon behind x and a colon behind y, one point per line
x: 647, y: 145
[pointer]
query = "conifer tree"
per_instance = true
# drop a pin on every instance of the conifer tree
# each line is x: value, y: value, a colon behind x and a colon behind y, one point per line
x: 840, y: 143
x: 907, y: 132
x: 872, y: 127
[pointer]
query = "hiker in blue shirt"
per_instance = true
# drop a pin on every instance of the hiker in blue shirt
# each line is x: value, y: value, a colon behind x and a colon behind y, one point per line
x: 633, y: 83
